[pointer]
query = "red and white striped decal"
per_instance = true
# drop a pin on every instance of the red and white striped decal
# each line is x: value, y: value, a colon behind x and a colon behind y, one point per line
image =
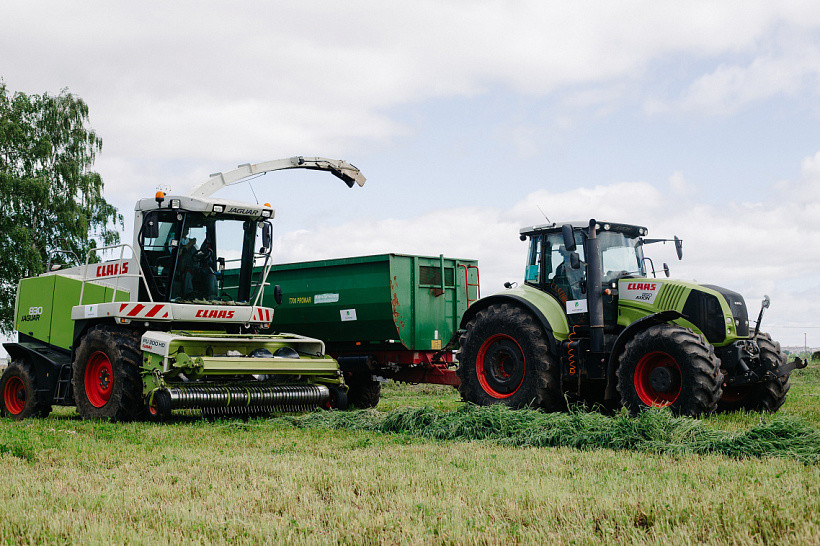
x: 144, y: 310
x: 261, y: 314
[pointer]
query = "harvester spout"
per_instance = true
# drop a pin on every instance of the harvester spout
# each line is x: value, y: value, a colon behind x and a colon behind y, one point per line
x: 341, y: 169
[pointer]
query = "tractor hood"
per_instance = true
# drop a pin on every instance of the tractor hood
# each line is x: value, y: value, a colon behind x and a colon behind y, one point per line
x: 718, y: 313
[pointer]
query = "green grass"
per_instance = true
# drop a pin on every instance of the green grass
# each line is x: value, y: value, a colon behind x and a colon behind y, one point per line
x: 440, y: 473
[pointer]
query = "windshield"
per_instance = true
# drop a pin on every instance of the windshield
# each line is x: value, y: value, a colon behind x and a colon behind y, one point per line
x: 548, y: 262
x: 186, y: 260
x: 621, y: 255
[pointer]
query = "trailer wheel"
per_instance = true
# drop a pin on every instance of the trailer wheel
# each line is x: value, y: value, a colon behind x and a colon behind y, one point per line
x: 669, y: 366
x: 18, y: 386
x: 363, y: 391
x: 105, y: 375
x: 766, y: 396
x: 505, y: 359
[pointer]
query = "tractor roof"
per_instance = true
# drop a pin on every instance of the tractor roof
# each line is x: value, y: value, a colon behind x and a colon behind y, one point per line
x: 627, y: 229
x: 188, y: 203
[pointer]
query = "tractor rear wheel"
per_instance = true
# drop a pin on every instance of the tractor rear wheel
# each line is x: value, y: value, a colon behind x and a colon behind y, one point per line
x: 106, y: 375
x: 505, y: 359
x: 18, y: 386
x: 669, y: 366
x: 363, y: 391
x: 766, y: 396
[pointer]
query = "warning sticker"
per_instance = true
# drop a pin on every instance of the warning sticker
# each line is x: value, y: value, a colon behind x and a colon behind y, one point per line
x: 576, y: 306
x: 640, y: 291
x: 348, y: 314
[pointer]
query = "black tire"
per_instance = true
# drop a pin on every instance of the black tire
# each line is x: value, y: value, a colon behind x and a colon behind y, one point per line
x: 505, y: 359
x: 338, y: 399
x: 766, y: 396
x: 18, y: 388
x: 363, y: 391
x: 106, y: 375
x: 669, y: 366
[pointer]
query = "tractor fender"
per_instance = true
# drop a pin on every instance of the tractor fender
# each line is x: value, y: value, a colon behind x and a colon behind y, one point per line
x: 623, y: 338
x: 520, y: 300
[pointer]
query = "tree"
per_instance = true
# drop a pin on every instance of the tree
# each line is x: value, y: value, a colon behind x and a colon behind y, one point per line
x: 49, y: 199
x: 816, y: 356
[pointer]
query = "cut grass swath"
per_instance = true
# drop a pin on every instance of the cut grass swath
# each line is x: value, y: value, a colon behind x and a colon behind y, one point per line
x: 654, y: 431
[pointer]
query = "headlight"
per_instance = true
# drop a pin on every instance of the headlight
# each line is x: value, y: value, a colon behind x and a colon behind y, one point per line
x: 219, y: 208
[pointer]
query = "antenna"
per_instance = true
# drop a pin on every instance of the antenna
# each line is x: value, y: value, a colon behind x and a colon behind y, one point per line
x: 544, y: 214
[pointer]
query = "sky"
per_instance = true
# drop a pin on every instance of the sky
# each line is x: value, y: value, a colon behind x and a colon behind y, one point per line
x: 699, y: 119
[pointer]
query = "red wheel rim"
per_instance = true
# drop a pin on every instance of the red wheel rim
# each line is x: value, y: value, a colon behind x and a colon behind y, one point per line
x: 99, y: 379
x: 14, y: 395
x: 659, y: 363
x: 500, y: 366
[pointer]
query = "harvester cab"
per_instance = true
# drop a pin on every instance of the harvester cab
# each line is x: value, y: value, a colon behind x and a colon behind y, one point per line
x: 590, y: 323
x: 156, y: 329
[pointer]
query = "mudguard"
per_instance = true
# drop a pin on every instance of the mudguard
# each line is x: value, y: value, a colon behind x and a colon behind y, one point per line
x: 545, y: 308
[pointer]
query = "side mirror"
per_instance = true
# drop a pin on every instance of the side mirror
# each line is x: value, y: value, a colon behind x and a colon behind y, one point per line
x: 569, y: 237
x: 574, y: 260
x: 766, y: 302
x: 150, y: 226
x: 666, y: 268
x: 277, y: 294
x: 679, y: 247
x: 267, y: 236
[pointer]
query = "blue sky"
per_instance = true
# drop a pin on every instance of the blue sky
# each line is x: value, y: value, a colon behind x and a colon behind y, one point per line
x: 698, y: 119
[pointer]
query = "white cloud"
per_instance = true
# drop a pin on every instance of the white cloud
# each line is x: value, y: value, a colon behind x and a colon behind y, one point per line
x: 214, y: 80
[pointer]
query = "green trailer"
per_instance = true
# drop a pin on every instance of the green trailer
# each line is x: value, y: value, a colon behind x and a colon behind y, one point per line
x: 387, y: 315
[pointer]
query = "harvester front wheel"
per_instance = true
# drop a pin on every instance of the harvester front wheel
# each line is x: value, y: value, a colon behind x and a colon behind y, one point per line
x: 669, y: 366
x: 505, y: 359
x: 363, y: 391
x: 18, y: 386
x: 105, y: 375
x: 766, y: 396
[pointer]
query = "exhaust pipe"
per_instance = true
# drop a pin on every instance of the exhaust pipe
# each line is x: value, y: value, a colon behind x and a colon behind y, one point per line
x: 595, y: 296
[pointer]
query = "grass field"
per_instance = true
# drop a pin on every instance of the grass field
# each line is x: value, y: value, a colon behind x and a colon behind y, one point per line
x: 330, y: 477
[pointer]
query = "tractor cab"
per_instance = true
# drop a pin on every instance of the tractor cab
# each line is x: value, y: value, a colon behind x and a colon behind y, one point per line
x: 186, y: 243
x: 558, y: 268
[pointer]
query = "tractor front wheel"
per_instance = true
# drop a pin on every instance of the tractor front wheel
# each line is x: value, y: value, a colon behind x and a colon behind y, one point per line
x: 505, y: 359
x: 105, y: 375
x: 18, y: 386
x: 766, y: 396
x: 669, y: 366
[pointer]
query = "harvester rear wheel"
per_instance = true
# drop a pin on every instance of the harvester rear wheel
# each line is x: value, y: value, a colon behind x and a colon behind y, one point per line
x: 363, y: 391
x: 505, y: 359
x: 669, y: 366
x: 766, y: 396
x: 105, y: 375
x: 18, y: 386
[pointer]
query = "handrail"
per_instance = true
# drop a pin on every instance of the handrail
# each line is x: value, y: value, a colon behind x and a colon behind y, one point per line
x: 122, y: 247
x: 468, y: 284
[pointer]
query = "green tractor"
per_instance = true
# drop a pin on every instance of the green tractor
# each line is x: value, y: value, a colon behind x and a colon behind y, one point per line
x: 160, y: 328
x: 589, y: 324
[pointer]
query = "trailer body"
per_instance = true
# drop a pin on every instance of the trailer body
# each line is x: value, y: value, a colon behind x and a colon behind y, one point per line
x: 389, y: 314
